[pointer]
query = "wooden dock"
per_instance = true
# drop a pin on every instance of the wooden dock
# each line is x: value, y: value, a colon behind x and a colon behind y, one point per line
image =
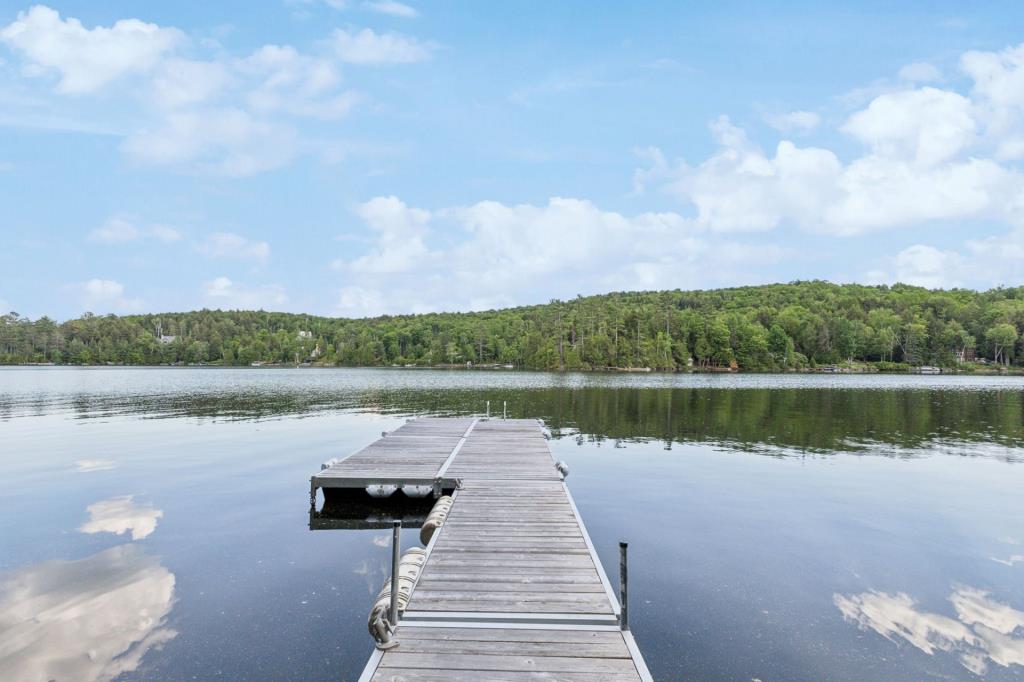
x: 512, y: 588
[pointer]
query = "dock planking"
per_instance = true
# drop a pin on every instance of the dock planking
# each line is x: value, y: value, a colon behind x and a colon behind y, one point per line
x: 512, y: 588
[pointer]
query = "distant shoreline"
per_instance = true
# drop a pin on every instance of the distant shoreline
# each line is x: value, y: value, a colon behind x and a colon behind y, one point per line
x: 841, y: 371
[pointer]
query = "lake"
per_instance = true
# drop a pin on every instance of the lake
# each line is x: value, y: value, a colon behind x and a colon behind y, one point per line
x: 154, y: 522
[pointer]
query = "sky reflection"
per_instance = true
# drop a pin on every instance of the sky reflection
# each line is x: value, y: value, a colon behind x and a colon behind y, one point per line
x: 120, y: 515
x: 84, y: 620
x: 984, y: 630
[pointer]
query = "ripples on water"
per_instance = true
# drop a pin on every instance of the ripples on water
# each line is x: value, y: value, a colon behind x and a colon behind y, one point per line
x: 154, y: 520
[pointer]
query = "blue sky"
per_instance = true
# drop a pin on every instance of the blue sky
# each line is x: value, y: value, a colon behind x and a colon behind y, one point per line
x: 361, y: 157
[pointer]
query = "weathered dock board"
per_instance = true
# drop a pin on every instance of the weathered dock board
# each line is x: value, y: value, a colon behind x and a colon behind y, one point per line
x: 418, y: 453
x: 512, y: 588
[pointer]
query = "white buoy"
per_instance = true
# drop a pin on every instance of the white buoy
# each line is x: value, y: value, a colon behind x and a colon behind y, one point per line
x: 417, y: 490
x: 381, y: 490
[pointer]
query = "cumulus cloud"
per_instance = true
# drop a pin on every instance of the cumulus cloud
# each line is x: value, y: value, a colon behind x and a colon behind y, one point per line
x: 999, y: 95
x: 400, y: 234
x: 369, y: 47
x: 920, y: 72
x: 120, y: 230
x: 86, y: 59
x: 165, y: 233
x: 226, y: 141
x: 794, y: 121
x: 395, y: 9
x: 485, y: 255
x: 230, y: 246
x: 120, y: 515
x: 104, y: 295
x: 983, y: 631
x: 225, y: 294
x: 181, y: 82
x: 114, y: 231
x: 925, y: 126
x: 923, y: 266
x: 288, y: 81
x: 224, y: 114
x: 927, y: 154
x: 91, y: 619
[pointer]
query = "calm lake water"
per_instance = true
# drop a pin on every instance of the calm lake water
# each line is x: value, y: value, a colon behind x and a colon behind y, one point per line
x: 154, y: 522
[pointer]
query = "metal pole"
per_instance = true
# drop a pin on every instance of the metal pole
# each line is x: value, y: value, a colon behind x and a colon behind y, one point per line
x: 504, y: 409
x: 488, y: 409
x: 623, y: 585
x: 395, y: 551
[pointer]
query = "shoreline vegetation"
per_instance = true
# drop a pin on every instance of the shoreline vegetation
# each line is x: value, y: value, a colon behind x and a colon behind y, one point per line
x: 810, y: 326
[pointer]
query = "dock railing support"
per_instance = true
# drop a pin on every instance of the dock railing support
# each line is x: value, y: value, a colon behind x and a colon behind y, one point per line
x: 396, y: 551
x: 624, y: 585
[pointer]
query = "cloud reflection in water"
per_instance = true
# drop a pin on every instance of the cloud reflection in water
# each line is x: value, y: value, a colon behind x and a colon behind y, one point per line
x: 85, y: 620
x: 119, y: 515
x: 984, y: 630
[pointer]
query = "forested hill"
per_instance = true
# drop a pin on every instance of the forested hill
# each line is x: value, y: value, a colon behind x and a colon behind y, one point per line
x: 778, y: 326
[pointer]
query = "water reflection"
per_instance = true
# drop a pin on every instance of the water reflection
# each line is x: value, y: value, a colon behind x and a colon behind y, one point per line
x: 86, y: 465
x: 771, y: 414
x: 90, y: 619
x: 120, y: 515
x: 984, y: 630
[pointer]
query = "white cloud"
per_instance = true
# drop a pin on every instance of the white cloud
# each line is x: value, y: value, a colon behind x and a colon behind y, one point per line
x: 227, y: 141
x: 801, y: 122
x: 486, y: 255
x: 983, y: 631
x: 181, y: 82
x: 928, y: 154
x: 115, y: 231
x: 91, y: 619
x: 357, y: 301
x: 395, y: 9
x: 120, y: 515
x: 981, y: 263
x: 369, y: 47
x: 87, y: 59
x: 920, y: 72
x: 103, y: 296
x: 400, y: 230
x: 165, y: 234
x: 223, y: 114
x: 999, y: 94
x: 230, y: 246
x: 225, y: 294
x: 924, y: 266
x: 925, y: 126
x: 120, y: 230
x: 291, y: 82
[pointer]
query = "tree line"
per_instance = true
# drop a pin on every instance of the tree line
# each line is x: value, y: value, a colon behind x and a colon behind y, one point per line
x: 771, y: 327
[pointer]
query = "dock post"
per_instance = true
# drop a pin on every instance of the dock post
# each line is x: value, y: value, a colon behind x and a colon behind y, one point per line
x: 623, y: 585
x: 504, y: 409
x: 488, y: 409
x: 395, y: 552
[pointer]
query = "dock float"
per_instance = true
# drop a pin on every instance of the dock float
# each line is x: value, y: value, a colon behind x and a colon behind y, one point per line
x: 510, y: 588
